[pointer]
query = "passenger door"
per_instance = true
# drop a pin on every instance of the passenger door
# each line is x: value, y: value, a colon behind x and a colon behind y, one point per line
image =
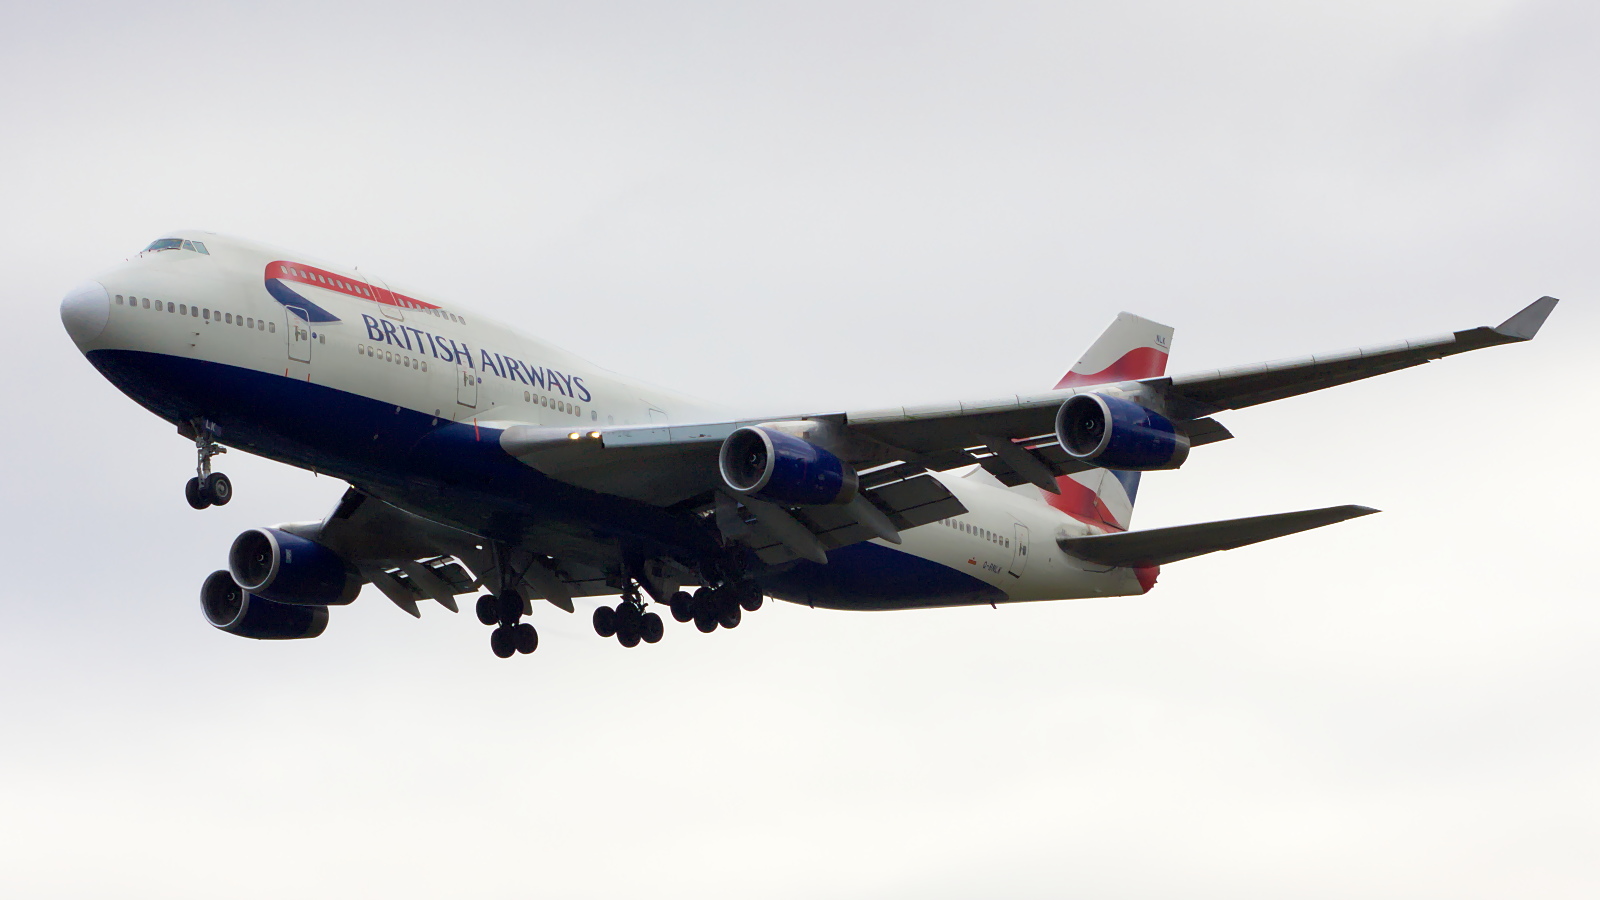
x: 381, y: 290
x: 1019, y: 551
x: 466, y: 386
x: 299, y: 335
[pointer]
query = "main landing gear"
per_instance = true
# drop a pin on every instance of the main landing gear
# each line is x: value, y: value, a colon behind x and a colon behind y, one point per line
x: 511, y: 635
x: 207, y: 488
x: 628, y: 622
x: 721, y: 605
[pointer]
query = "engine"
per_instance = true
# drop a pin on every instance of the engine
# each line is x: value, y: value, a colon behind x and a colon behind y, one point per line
x: 781, y: 468
x: 286, y: 568
x: 234, y: 610
x: 1114, y: 433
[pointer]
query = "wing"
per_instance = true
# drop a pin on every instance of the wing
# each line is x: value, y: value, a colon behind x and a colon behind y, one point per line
x: 1011, y: 436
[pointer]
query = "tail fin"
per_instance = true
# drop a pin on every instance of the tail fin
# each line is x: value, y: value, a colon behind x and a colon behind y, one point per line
x: 1130, y: 349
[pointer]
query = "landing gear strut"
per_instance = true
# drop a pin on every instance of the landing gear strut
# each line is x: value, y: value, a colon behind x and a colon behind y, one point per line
x: 504, y: 611
x: 207, y: 488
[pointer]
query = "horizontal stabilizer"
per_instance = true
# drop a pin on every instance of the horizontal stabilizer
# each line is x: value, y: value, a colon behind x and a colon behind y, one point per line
x: 1159, y: 546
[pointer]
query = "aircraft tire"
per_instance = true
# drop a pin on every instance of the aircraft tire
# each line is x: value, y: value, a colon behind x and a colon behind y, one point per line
x: 488, y: 610
x: 502, y: 642
x: 193, y: 493
x: 682, y: 606
x: 750, y: 596
x: 705, y: 619
x: 526, y: 637
x: 729, y: 616
x: 605, y: 621
x: 628, y: 638
x: 218, y: 489
x: 651, y: 628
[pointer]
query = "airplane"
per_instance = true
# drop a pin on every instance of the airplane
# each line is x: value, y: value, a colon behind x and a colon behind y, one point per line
x: 483, y: 458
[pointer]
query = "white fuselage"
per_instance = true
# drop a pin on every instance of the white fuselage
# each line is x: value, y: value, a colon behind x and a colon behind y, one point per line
x: 188, y: 331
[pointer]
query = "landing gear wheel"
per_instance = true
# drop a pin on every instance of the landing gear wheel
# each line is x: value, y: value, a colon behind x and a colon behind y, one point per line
x: 525, y: 637
x: 488, y: 610
x: 729, y: 616
x: 629, y: 624
x: 651, y: 628
x: 750, y: 596
x: 218, y: 489
x: 682, y: 606
x: 510, y: 604
x: 705, y: 619
x: 195, y: 494
x: 605, y: 621
x: 502, y: 642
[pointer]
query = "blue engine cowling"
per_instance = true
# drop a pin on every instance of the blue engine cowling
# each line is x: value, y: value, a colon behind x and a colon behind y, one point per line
x: 287, y: 568
x: 233, y: 609
x: 781, y: 468
x: 1114, y: 433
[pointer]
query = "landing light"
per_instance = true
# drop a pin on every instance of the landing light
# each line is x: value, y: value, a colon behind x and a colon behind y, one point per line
x: 574, y: 435
x: 594, y: 434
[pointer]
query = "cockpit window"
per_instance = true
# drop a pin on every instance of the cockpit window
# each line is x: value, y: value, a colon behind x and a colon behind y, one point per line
x: 177, y: 244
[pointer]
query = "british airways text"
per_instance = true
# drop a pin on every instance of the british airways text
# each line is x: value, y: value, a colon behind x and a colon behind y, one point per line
x: 418, y: 341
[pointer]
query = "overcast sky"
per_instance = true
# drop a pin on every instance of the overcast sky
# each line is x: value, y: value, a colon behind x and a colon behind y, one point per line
x: 817, y: 206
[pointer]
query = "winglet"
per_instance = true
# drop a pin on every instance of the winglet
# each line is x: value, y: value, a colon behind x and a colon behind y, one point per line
x: 1525, y: 324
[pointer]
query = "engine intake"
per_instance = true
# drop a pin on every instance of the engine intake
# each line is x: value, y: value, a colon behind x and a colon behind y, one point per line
x: 1114, y: 433
x: 287, y: 568
x: 231, y: 608
x: 781, y: 468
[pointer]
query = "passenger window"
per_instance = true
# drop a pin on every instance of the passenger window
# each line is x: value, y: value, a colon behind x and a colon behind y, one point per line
x: 227, y: 318
x: 183, y: 309
x: 239, y: 321
x: 424, y: 366
x: 526, y: 396
x: 119, y: 299
x: 146, y: 302
x: 170, y: 307
x: 194, y: 311
x: 250, y: 322
x: 371, y: 352
x: 272, y: 328
x: 207, y: 315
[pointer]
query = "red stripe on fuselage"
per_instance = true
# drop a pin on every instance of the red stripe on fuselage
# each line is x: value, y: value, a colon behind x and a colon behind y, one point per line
x: 332, y: 281
x: 1140, y: 362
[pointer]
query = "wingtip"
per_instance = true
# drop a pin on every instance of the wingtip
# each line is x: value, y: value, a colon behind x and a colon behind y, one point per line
x: 1526, y: 323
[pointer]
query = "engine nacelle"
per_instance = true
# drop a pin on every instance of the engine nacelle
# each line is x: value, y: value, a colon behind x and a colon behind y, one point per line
x: 287, y: 568
x: 1114, y: 433
x: 781, y: 468
x: 234, y: 610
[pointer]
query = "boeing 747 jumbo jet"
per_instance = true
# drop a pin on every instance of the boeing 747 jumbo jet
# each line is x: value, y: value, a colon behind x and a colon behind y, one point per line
x: 482, y: 458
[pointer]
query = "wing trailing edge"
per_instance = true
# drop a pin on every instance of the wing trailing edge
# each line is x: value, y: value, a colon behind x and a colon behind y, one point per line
x: 1159, y: 546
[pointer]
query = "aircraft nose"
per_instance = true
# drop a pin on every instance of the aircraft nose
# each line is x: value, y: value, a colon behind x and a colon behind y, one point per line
x: 85, y: 311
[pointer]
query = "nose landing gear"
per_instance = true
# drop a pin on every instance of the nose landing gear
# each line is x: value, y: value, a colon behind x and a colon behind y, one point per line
x: 207, y: 488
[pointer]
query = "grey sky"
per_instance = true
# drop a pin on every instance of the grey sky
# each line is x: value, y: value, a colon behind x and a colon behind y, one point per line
x: 807, y: 206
